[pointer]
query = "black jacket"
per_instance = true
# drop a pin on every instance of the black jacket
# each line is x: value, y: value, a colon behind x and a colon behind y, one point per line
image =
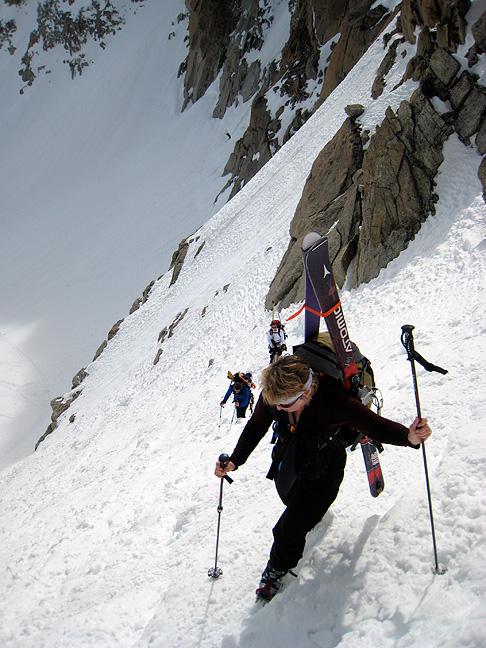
x: 326, y: 426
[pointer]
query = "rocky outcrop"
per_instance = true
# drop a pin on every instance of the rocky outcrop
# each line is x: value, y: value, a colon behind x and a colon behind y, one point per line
x: 399, y: 170
x: 143, y: 298
x: 300, y: 54
x: 79, y: 377
x: 7, y: 30
x: 225, y: 39
x: 254, y: 149
x: 445, y: 17
x: 57, y: 26
x: 58, y: 405
x: 179, y: 256
x: 384, y: 68
x: 240, y: 80
x: 330, y: 195
x: 482, y: 176
x: 178, y: 259
x: 479, y: 34
x: 210, y: 25
x: 369, y: 203
x: 373, y: 218
x: 167, y: 332
x: 359, y: 28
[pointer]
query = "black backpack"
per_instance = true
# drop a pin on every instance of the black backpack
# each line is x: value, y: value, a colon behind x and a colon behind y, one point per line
x: 320, y: 355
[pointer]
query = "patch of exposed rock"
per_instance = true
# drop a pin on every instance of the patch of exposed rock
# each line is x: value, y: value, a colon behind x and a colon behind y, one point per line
x: 330, y: 195
x: 142, y: 299
x: 7, y: 30
x: 58, y: 405
x: 57, y: 26
x: 254, y: 149
x: 167, y: 332
x: 482, y: 176
x: 384, y: 68
x: 399, y: 170
x: 358, y: 30
x: 179, y: 256
x: 373, y: 218
x: 241, y: 80
x: 210, y: 25
x: 446, y: 18
x: 223, y: 35
x: 314, y: 23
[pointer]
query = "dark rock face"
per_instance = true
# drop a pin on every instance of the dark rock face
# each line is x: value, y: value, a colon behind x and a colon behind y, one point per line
x: 371, y: 203
x: 470, y: 115
x: 56, y: 25
x: 168, y: 332
x: 179, y: 256
x: 210, y: 25
x: 241, y: 80
x: 445, y: 17
x: 79, y: 377
x: 373, y: 217
x: 481, y: 137
x: 7, y: 30
x: 479, y: 33
x: 482, y: 175
x: 254, y: 149
x: 384, y: 68
x: 399, y: 168
x: 359, y: 28
x: 300, y: 54
x: 221, y: 37
x: 330, y: 195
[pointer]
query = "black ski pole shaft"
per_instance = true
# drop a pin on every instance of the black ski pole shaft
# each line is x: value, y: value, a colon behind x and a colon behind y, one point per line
x: 216, y: 572
x: 408, y: 343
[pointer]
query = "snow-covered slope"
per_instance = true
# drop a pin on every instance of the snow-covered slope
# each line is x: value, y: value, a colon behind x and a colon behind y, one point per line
x: 101, y: 179
x: 109, y: 529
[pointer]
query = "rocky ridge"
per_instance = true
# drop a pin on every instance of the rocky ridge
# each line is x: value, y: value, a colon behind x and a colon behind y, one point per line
x: 325, y: 41
x: 380, y: 195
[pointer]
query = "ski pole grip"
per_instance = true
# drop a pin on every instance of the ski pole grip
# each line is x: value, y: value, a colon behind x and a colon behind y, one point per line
x: 223, y: 462
x: 408, y: 328
x: 407, y: 340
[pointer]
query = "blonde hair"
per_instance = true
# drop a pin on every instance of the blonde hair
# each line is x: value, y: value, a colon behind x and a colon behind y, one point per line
x: 284, y: 378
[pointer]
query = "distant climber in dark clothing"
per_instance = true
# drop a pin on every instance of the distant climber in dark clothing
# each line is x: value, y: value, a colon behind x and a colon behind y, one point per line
x: 315, y: 419
x: 241, y: 396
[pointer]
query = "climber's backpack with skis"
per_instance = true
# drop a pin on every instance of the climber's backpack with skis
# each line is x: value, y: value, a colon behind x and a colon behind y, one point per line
x: 320, y: 355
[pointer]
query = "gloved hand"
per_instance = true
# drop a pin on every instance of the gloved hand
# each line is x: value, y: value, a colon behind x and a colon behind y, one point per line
x: 222, y: 404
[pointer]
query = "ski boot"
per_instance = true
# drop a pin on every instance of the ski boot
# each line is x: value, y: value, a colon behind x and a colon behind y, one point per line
x: 270, y: 583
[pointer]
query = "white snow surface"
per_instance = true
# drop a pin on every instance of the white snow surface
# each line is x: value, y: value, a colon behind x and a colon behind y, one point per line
x: 108, y: 530
x: 102, y: 177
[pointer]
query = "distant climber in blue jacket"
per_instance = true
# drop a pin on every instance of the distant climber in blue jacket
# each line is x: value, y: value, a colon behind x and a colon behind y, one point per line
x: 240, y: 388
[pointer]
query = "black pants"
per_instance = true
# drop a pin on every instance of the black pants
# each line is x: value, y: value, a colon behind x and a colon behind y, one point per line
x: 306, y: 504
x: 275, y: 353
x: 241, y: 411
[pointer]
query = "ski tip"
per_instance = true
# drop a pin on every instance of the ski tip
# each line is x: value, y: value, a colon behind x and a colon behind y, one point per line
x: 310, y: 239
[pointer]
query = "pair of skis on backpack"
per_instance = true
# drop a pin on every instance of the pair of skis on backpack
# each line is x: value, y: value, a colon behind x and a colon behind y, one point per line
x: 322, y: 302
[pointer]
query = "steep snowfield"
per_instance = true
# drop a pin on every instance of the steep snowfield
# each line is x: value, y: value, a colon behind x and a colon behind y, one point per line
x: 101, y: 179
x: 109, y: 529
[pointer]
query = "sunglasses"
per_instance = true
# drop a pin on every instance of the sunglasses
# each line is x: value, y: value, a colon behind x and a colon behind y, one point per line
x: 289, y: 405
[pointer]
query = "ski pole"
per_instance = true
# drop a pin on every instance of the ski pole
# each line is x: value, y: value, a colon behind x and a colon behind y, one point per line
x: 215, y: 572
x: 220, y: 414
x: 413, y: 355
